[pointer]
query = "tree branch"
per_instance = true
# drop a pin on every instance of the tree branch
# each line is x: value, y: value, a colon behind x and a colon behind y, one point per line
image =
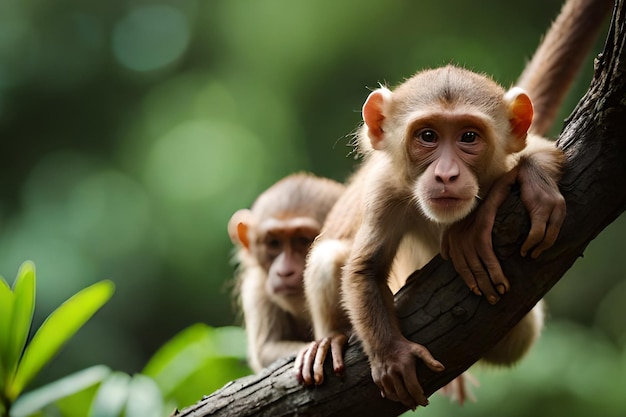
x: 435, y: 307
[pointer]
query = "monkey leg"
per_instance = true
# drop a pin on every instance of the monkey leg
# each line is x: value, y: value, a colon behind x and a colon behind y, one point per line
x: 460, y: 388
x: 322, y: 284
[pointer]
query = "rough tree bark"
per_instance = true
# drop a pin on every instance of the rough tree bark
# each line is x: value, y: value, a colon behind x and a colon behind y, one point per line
x: 436, y: 309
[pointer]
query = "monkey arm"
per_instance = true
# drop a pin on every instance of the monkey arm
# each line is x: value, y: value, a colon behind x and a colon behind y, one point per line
x: 371, y: 308
x: 468, y: 243
x: 538, y: 173
x: 269, y: 329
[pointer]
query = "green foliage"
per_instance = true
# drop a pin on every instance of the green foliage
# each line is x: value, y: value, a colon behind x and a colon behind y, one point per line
x: 72, y: 393
x: 133, y: 130
x: 20, y: 362
x: 197, y: 361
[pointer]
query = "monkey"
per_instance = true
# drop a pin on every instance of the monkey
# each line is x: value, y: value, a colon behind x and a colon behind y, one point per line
x: 433, y: 147
x: 384, y: 221
x: 272, y: 239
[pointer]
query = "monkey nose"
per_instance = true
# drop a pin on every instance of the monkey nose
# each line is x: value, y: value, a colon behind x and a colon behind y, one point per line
x: 446, y: 178
x: 286, y: 273
x: 446, y: 171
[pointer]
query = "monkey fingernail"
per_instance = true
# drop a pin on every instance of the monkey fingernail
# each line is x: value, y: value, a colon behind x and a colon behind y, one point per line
x: 501, y: 289
x: 493, y: 299
x: 476, y: 291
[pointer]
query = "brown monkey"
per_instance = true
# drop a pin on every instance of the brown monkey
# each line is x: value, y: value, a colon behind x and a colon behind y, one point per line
x: 433, y: 147
x: 273, y: 238
x: 468, y: 242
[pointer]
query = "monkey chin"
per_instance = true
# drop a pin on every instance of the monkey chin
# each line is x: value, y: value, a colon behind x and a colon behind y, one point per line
x: 293, y: 304
x: 447, y: 210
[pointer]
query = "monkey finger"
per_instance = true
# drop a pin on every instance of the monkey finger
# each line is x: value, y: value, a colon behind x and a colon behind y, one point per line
x: 552, y: 231
x: 535, y: 235
x: 460, y: 264
x: 492, y: 265
x: 409, y: 391
x: 297, y: 365
x: 425, y: 355
x: 307, y: 365
x: 482, y: 279
x: 320, y: 357
x: 337, y: 344
x: 387, y: 387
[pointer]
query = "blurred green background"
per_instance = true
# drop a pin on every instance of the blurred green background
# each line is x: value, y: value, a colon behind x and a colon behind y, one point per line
x: 130, y: 131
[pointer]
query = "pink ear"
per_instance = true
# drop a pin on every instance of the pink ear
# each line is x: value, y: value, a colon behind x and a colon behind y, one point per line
x: 238, y: 227
x: 373, y: 115
x: 520, y: 115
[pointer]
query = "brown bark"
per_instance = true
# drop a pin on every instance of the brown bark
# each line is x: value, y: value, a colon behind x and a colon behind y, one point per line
x: 437, y: 309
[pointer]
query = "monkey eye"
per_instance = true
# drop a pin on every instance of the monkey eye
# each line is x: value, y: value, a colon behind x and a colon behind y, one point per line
x: 428, y: 136
x: 302, y: 242
x: 273, y: 244
x: 469, y: 137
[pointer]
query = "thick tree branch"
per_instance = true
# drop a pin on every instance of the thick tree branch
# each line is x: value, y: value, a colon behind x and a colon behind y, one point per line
x: 437, y: 309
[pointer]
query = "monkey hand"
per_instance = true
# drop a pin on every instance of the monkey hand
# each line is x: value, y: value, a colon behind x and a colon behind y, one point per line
x: 546, y: 207
x: 309, y: 364
x: 467, y: 243
x: 393, y: 371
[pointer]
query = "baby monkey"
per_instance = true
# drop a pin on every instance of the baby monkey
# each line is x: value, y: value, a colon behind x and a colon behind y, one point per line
x: 433, y: 148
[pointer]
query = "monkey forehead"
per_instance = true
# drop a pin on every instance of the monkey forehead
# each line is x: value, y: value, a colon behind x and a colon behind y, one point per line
x: 449, y: 85
x: 301, y: 195
x: 461, y: 116
x: 289, y: 225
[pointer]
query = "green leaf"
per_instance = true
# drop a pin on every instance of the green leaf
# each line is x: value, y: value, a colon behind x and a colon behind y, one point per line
x: 230, y: 341
x: 206, y: 377
x: 111, y: 396
x: 197, y: 357
x: 58, y: 328
x: 144, y: 398
x: 21, y: 319
x: 196, y: 333
x: 179, y: 357
x: 35, y: 400
x: 7, y: 299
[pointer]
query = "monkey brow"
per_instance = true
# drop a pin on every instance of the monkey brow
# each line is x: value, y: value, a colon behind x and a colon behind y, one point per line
x: 296, y: 224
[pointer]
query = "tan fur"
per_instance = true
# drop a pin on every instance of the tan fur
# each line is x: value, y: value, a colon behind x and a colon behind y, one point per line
x: 379, y: 222
x: 546, y: 78
x: 277, y: 325
x: 552, y: 69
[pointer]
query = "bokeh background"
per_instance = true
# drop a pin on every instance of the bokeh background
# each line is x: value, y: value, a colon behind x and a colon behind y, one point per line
x: 130, y: 131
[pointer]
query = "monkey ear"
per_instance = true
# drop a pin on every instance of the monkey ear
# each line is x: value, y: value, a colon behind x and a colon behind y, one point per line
x: 520, y: 116
x: 373, y: 115
x: 238, y: 227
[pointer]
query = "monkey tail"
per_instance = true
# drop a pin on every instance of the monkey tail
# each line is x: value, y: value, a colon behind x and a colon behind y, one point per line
x: 570, y: 38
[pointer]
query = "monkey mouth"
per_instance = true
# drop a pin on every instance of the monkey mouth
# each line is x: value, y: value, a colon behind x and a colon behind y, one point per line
x: 448, y: 209
x: 445, y: 202
x: 287, y: 290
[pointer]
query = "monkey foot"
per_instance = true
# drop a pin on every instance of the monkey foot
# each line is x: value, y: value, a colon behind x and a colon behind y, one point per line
x: 309, y: 364
x: 460, y: 388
